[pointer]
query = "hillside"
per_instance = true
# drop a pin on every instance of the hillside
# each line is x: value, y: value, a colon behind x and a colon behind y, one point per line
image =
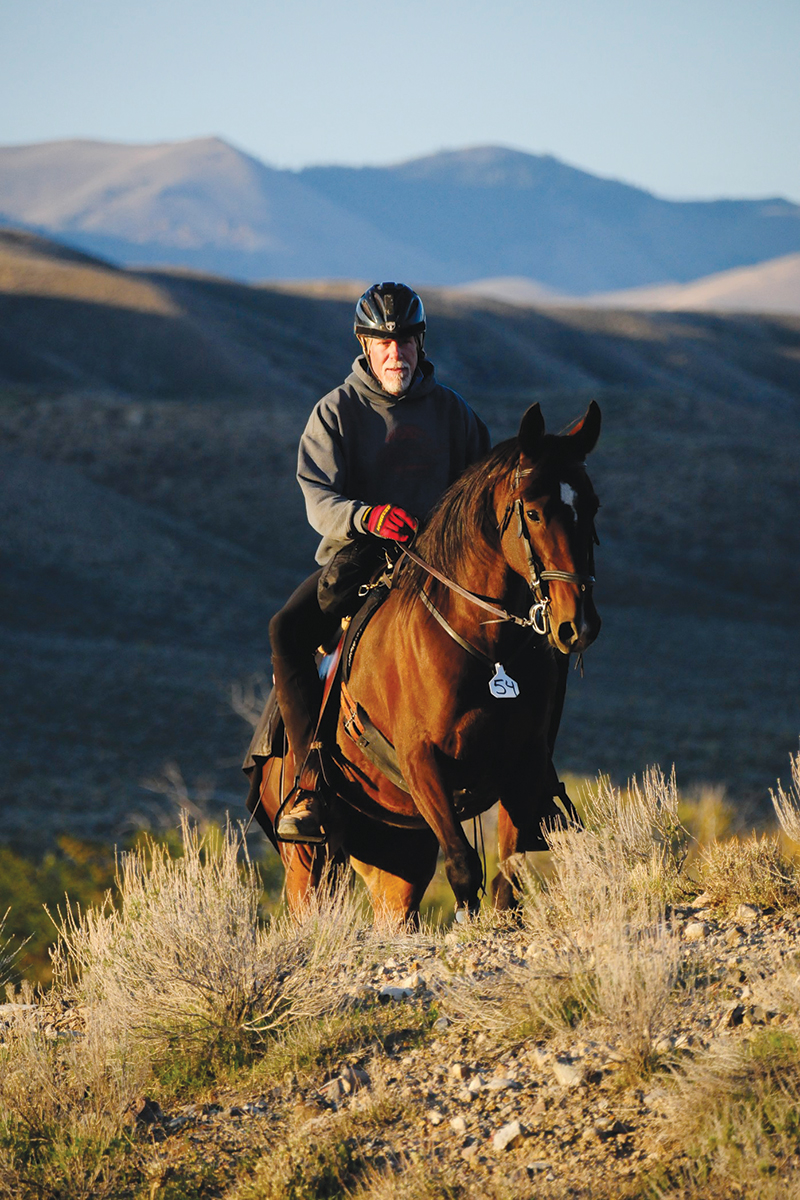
x: 150, y: 523
x: 767, y: 287
x: 772, y: 286
x: 445, y: 219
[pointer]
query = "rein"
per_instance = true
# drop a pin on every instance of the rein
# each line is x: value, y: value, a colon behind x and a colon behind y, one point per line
x: 499, y: 613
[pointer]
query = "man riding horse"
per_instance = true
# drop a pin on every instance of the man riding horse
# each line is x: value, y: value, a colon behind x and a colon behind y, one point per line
x: 375, y: 456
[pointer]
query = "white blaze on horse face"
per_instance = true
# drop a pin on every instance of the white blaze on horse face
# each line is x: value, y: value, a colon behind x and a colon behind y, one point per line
x: 569, y: 497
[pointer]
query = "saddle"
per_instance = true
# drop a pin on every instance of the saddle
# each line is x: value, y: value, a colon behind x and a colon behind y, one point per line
x: 268, y: 739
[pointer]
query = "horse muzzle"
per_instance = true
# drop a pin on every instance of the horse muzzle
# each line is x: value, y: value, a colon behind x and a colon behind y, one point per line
x: 573, y: 635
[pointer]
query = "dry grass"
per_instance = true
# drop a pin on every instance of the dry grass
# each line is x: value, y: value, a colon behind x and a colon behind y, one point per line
x: 753, y: 871
x: 733, y: 1123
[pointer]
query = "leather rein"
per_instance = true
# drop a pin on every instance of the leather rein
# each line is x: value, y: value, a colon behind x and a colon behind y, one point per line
x: 538, y: 618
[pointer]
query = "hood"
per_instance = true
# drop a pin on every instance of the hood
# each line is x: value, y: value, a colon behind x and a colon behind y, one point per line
x: 362, y: 379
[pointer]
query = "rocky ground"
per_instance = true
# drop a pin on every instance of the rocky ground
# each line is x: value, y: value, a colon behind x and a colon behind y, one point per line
x: 564, y: 1115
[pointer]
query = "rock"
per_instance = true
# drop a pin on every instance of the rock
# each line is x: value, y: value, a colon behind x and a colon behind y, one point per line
x: 695, y: 931
x: 333, y: 1090
x: 747, y: 913
x: 441, y: 1023
x: 508, y: 1135
x: 733, y: 1017
x: 568, y: 1074
x: 414, y: 983
x: 150, y: 1113
x: 476, y: 1085
x: 460, y: 1071
x: 458, y: 1125
x: 394, y: 993
x: 536, y: 1167
x: 470, y: 1150
x: 434, y: 1116
x: 499, y: 1084
x: 353, y: 1078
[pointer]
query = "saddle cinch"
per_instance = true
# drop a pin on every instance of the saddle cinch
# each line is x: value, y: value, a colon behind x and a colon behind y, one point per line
x: 269, y: 738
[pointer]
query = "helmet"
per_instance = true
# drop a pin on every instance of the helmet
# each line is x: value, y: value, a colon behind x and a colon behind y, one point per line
x: 390, y: 310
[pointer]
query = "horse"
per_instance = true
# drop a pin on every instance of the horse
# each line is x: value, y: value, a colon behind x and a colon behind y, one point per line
x: 459, y: 679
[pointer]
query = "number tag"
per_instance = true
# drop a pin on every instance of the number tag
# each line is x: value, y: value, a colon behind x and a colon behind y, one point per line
x: 502, y: 686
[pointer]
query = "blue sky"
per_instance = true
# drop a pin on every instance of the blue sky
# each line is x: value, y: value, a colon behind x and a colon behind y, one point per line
x: 689, y: 98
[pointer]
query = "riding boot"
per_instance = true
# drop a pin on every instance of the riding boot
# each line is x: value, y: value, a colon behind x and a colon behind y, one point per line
x: 299, y: 691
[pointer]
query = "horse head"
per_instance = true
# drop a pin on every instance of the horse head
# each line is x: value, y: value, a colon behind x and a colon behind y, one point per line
x: 546, y: 517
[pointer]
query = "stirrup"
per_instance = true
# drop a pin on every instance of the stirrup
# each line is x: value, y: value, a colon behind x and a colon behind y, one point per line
x: 293, y: 826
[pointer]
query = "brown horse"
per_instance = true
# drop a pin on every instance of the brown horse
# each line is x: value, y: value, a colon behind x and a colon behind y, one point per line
x: 464, y: 677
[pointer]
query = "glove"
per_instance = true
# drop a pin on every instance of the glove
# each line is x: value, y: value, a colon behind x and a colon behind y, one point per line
x: 389, y: 521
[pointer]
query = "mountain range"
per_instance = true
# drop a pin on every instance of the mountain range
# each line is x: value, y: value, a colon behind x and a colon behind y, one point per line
x: 445, y: 219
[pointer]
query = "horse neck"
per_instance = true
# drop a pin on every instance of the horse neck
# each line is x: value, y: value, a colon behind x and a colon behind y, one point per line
x: 485, y: 573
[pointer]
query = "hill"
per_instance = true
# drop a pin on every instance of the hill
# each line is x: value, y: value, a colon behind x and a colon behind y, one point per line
x: 772, y: 286
x: 150, y: 523
x: 444, y: 219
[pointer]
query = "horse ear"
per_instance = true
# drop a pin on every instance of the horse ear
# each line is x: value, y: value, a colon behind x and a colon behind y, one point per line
x: 585, y: 434
x: 531, y: 432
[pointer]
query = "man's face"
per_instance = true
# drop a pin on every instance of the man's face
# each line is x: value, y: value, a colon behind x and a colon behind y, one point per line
x: 393, y: 363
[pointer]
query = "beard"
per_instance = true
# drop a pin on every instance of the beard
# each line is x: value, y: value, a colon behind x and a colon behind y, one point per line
x: 396, y: 382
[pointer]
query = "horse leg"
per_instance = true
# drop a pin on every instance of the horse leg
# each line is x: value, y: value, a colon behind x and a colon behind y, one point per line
x: 524, y: 807
x: 304, y: 866
x: 396, y: 865
x: 395, y: 901
x: 505, y: 888
x: 434, y: 803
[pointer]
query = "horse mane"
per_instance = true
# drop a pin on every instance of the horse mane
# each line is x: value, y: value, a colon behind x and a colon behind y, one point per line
x: 463, y: 519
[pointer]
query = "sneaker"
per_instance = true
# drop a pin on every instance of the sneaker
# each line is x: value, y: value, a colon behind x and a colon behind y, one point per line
x: 302, y: 822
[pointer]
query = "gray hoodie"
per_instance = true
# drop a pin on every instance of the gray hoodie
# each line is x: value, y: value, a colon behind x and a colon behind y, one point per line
x: 363, y: 446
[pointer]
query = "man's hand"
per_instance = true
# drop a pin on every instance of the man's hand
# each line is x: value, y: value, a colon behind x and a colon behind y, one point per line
x: 389, y: 521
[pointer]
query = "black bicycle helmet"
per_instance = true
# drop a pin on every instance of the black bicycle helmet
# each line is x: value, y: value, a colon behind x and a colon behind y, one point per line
x: 390, y: 310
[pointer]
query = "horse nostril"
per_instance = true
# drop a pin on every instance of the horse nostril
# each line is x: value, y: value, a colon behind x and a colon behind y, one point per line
x: 567, y: 633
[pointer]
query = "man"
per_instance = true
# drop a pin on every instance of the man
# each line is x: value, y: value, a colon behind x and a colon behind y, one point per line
x: 376, y: 455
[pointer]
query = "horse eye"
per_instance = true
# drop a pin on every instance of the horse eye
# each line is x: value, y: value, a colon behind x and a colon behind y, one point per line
x: 533, y: 514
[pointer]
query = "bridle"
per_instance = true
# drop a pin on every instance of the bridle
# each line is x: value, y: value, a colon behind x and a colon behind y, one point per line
x: 538, y: 618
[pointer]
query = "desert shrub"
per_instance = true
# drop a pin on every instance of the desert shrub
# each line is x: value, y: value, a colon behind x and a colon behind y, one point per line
x: 786, y: 802
x: 65, y: 1105
x: 752, y: 871
x: 601, y: 949
x: 181, y: 956
x: 733, y: 1121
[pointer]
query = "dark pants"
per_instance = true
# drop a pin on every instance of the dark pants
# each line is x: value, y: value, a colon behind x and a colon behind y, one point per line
x: 302, y: 625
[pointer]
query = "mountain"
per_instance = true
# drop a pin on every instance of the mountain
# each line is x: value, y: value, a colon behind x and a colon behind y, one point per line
x: 440, y: 220
x: 200, y: 204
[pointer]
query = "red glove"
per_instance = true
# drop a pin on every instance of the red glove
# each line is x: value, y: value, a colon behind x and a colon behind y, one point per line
x: 389, y: 521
